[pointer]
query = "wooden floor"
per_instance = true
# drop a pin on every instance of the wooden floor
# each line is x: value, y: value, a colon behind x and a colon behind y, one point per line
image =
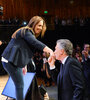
x: 3, y: 81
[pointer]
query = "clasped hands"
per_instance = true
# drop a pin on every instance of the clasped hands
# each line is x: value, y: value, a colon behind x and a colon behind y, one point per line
x: 51, y: 60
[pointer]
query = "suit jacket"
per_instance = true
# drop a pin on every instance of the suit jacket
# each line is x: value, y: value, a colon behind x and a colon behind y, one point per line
x: 19, y: 51
x: 71, y: 83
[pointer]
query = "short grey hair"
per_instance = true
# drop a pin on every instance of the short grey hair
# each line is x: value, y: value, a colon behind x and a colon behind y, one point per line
x: 66, y: 45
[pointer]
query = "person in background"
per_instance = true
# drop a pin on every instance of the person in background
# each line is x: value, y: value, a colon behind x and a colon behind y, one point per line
x: 70, y: 80
x: 0, y: 42
x: 2, y: 47
x: 19, y: 52
x: 45, y: 70
x: 56, y: 23
x: 86, y: 67
x: 78, y: 56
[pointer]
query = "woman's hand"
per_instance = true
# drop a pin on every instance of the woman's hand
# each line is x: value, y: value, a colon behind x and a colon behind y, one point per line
x: 48, y: 50
x: 24, y: 70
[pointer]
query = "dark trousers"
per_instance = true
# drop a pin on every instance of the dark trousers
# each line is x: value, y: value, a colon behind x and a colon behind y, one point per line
x: 17, y: 77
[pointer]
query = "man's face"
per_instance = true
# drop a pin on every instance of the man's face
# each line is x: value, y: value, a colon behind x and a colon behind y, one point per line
x: 86, y: 47
x: 57, y: 52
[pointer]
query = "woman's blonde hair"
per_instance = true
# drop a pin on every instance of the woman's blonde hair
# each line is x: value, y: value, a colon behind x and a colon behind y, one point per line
x: 31, y: 25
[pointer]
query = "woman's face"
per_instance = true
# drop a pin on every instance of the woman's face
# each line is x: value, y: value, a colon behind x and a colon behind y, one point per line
x: 38, y: 28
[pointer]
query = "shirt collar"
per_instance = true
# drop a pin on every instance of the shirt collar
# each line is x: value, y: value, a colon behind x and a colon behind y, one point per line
x: 63, y: 62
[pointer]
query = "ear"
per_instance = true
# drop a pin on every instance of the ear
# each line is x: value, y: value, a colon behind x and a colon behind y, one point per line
x: 62, y: 51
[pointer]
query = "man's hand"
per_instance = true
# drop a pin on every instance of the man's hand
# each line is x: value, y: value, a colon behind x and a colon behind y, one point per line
x: 51, y: 60
x: 46, y: 97
x: 85, y: 53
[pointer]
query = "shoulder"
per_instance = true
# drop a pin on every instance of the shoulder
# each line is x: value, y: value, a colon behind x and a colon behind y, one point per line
x: 73, y: 62
x: 26, y: 31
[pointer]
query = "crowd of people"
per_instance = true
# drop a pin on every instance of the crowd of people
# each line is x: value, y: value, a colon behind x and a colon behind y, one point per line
x: 79, y: 21
x: 10, y: 21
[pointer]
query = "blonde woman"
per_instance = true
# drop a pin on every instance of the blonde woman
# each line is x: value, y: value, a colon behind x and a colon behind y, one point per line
x: 19, y: 51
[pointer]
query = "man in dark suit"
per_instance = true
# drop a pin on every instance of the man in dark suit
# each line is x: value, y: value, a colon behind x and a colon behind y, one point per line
x: 70, y: 80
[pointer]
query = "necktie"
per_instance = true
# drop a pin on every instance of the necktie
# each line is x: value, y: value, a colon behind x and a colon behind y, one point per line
x: 61, y: 70
x: 60, y: 74
x: 59, y: 80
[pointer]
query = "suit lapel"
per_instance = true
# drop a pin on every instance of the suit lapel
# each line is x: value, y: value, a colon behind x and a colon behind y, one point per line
x: 61, y: 71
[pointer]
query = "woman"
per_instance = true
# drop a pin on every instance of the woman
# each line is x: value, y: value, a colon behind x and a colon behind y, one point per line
x: 19, y: 51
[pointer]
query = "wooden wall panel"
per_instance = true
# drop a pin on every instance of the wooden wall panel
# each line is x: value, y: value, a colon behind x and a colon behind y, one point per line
x: 25, y: 9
